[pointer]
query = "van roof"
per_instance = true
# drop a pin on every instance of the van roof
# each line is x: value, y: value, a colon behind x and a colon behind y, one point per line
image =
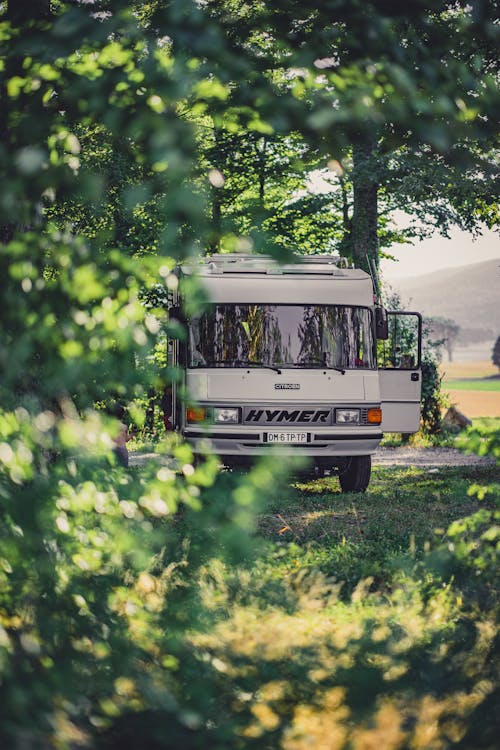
x: 260, y: 279
x: 241, y: 263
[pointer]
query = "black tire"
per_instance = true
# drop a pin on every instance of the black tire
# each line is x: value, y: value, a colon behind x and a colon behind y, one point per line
x: 355, y: 475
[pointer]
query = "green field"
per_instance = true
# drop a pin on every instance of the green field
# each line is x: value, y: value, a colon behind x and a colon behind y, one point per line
x: 473, y: 387
x: 473, y: 384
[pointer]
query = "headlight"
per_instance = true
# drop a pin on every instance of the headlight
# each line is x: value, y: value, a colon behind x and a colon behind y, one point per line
x: 347, y: 416
x: 226, y: 416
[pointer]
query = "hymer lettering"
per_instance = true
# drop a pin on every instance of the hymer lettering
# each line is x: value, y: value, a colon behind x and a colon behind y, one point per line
x: 269, y: 416
x: 288, y: 416
x: 321, y: 416
x: 254, y: 415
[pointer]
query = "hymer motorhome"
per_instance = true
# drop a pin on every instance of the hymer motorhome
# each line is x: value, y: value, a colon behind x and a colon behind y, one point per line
x: 296, y: 358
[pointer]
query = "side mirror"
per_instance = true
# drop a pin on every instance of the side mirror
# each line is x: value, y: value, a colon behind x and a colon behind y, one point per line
x: 176, y: 313
x: 176, y: 325
x: 381, y: 323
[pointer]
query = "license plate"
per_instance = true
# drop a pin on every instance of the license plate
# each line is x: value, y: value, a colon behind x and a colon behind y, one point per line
x: 287, y: 437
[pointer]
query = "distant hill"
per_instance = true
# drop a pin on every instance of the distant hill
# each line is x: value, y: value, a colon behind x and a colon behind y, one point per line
x: 469, y: 295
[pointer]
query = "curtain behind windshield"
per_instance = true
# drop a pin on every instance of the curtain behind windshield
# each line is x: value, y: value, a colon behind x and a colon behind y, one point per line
x: 235, y: 335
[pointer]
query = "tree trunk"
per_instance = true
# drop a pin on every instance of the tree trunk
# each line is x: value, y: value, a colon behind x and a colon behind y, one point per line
x: 19, y: 12
x: 261, y: 165
x: 365, y: 211
x: 345, y: 248
x: 216, y: 204
x: 214, y: 242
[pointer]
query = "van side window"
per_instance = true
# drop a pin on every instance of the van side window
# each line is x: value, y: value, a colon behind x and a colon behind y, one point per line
x: 401, y: 350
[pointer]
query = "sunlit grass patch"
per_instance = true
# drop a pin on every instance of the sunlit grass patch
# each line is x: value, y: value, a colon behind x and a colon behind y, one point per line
x: 399, y: 495
x: 350, y: 674
x: 348, y: 616
x: 350, y: 536
x: 361, y: 624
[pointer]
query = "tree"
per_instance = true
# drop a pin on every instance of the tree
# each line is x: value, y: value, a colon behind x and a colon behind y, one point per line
x: 495, y: 355
x: 78, y: 535
x: 441, y: 187
x: 253, y: 179
x: 434, y: 192
x: 443, y: 332
x: 332, y: 73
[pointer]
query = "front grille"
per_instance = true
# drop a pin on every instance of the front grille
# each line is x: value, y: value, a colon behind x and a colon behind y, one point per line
x: 286, y: 416
x: 255, y: 436
x: 337, y: 436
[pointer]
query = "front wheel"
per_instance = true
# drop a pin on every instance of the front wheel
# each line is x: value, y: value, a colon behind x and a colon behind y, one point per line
x: 355, y: 475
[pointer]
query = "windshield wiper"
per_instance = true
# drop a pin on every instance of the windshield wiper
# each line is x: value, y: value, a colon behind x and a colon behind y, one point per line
x: 320, y: 364
x: 314, y: 363
x: 250, y: 362
x: 242, y: 363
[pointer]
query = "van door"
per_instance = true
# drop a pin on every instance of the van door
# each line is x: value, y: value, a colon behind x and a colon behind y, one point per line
x: 400, y: 372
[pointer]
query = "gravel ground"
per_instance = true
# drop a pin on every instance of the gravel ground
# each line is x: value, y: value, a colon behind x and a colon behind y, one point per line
x: 405, y: 456
x: 409, y: 456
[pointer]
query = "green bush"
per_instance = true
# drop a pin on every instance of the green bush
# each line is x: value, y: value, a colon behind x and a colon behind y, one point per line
x: 433, y: 398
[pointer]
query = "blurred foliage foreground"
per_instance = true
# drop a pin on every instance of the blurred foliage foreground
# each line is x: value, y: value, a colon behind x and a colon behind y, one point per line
x: 127, y: 622
x: 119, y: 621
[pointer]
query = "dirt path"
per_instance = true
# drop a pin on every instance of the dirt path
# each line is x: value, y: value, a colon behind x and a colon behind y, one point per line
x: 405, y: 456
x: 409, y: 456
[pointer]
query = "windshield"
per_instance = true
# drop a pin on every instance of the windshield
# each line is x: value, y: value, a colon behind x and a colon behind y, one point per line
x: 242, y: 335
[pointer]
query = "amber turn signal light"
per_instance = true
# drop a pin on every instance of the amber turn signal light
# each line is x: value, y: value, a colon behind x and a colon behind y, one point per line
x: 374, y: 416
x: 195, y: 414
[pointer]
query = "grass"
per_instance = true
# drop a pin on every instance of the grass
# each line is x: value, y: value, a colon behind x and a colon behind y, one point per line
x: 343, y: 621
x: 473, y: 384
x: 473, y: 387
x: 354, y: 536
x: 311, y: 526
x: 357, y: 625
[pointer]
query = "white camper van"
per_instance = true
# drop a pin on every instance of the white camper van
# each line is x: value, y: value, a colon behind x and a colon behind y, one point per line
x: 296, y: 358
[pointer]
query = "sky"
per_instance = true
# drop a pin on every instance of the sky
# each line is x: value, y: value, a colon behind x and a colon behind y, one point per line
x: 438, y: 252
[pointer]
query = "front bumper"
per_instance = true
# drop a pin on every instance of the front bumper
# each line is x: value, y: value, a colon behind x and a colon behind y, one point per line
x: 320, y: 443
